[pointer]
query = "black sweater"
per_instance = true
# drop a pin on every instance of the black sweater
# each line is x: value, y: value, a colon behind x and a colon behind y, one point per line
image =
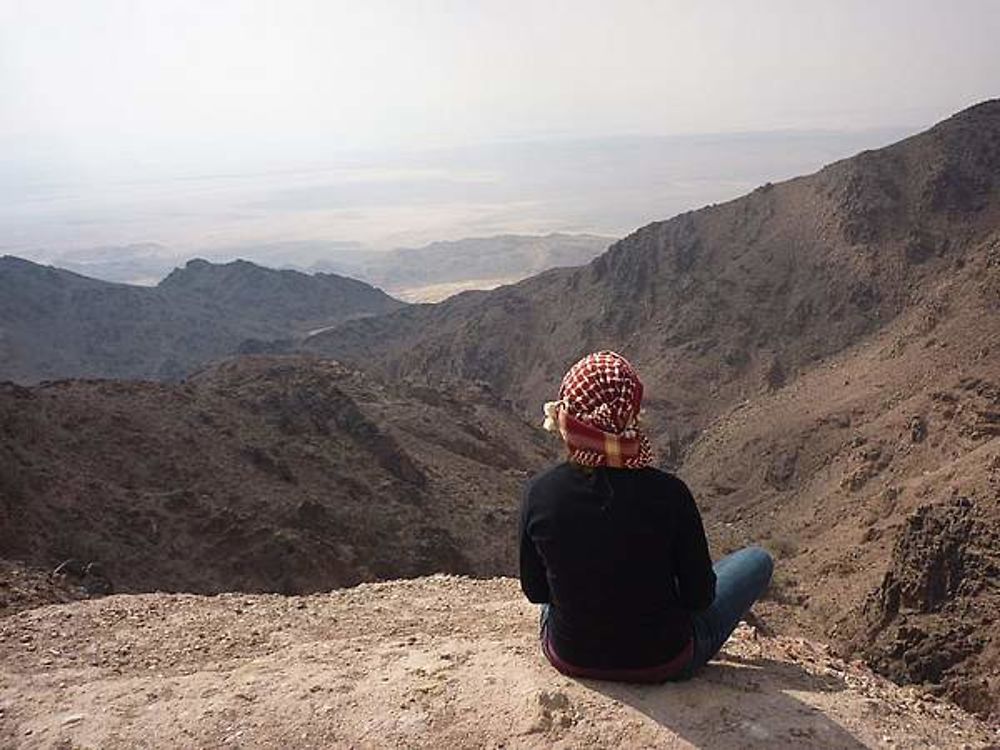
x: 621, y: 556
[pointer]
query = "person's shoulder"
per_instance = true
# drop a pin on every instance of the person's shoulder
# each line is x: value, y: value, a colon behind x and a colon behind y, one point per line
x: 665, y: 480
x: 555, y: 474
x: 653, y: 474
x: 546, y: 487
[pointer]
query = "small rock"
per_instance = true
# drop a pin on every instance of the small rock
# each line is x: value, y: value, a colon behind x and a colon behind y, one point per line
x: 72, y: 719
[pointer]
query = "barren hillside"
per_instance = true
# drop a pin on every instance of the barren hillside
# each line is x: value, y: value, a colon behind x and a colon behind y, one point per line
x: 876, y: 477
x: 821, y: 364
x: 261, y: 474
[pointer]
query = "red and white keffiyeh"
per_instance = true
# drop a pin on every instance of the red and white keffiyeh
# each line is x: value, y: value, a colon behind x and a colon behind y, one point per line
x: 597, y: 413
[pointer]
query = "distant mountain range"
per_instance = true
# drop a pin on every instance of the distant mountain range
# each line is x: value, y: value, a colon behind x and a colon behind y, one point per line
x: 418, y: 274
x: 57, y: 324
x: 438, y: 270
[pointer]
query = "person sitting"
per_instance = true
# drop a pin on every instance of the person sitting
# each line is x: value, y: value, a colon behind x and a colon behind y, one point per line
x: 614, y: 548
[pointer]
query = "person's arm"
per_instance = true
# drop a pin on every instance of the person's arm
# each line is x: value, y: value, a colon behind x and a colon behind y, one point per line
x: 534, y: 582
x: 692, y: 563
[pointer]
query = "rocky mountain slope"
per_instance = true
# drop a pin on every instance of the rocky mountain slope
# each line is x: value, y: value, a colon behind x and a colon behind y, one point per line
x: 876, y: 476
x: 54, y: 323
x: 717, y: 303
x: 286, y: 475
x: 430, y: 663
x: 821, y: 363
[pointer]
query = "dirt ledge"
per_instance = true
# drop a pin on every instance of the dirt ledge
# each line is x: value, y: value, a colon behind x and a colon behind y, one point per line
x: 433, y: 662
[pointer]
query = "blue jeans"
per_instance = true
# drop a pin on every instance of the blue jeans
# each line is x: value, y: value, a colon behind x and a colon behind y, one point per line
x: 741, y: 579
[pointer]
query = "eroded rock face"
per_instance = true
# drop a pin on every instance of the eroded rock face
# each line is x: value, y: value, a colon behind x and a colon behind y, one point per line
x: 933, y: 619
x: 929, y: 561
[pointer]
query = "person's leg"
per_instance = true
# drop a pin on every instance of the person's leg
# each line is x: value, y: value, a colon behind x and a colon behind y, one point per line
x: 741, y: 578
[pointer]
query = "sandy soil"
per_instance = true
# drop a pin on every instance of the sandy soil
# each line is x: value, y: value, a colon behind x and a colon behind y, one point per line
x: 444, y: 290
x: 434, y: 662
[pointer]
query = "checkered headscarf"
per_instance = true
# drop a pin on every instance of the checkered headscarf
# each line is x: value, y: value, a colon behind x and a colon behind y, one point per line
x: 597, y: 413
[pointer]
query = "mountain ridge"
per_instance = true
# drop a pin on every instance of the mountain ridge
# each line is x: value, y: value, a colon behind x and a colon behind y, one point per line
x: 55, y: 323
x: 718, y: 303
x: 820, y: 362
x: 843, y: 210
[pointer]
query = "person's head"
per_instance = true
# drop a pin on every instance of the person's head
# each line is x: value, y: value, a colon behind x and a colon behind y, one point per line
x: 597, y: 413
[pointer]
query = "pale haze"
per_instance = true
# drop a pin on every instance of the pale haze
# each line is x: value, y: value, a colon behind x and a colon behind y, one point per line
x: 217, y: 127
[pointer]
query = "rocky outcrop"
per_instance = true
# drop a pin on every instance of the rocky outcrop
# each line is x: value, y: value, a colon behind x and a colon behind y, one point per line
x: 933, y: 619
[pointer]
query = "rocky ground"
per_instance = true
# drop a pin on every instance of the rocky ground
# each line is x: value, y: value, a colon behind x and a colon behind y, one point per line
x: 24, y: 587
x: 434, y: 662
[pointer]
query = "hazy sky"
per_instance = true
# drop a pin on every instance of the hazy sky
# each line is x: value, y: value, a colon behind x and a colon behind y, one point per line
x: 98, y: 96
x: 111, y: 86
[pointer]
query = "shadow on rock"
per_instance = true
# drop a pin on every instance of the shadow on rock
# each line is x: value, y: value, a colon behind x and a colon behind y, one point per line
x: 741, y: 703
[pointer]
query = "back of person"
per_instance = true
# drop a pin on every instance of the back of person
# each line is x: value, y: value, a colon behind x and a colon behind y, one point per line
x: 614, y: 549
x: 621, y: 557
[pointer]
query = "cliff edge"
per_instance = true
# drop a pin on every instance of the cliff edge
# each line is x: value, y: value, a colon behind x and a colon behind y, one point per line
x: 431, y: 662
